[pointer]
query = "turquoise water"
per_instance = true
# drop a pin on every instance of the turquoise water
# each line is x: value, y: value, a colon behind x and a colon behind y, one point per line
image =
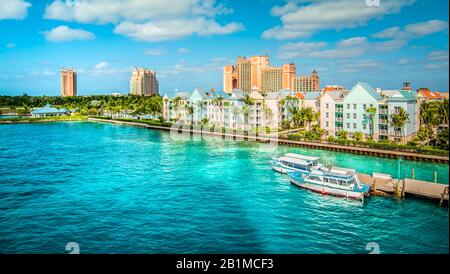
x: 8, y: 116
x: 119, y: 189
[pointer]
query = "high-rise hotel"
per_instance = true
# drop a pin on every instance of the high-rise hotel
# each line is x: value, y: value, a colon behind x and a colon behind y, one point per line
x: 68, y: 82
x: 143, y: 82
x: 256, y: 73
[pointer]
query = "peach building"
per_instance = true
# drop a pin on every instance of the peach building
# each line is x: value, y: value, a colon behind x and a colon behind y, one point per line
x: 256, y: 73
x: 143, y: 82
x: 307, y: 83
x: 68, y: 82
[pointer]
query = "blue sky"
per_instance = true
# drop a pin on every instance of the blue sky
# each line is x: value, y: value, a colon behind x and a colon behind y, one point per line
x: 187, y: 42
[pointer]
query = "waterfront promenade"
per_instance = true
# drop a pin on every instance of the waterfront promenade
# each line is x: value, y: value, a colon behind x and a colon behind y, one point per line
x: 333, y: 147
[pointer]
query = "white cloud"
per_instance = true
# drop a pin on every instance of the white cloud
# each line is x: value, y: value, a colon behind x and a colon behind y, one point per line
x: 103, y: 68
x: 405, y: 61
x: 174, y: 29
x: 64, y: 34
x: 183, y: 50
x: 44, y: 72
x: 343, y: 49
x: 359, y: 66
x: 437, y: 66
x: 14, y: 9
x: 10, y: 45
x: 413, y: 30
x: 114, y: 11
x: 304, y: 18
x: 438, y: 55
x: 101, y: 65
x: 154, y: 52
x: 147, y: 20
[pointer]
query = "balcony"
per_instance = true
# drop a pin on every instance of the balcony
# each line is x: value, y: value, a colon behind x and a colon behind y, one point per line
x: 383, y: 132
x: 339, y: 119
x: 397, y: 133
x: 339, y: 110
x: 384, y: 111
x: 384, y: 121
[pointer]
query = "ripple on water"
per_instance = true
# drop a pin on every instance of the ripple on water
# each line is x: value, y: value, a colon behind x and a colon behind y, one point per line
x: 117, y: 189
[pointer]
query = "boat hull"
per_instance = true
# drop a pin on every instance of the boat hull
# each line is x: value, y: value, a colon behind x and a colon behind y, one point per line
x: 285, y: 169
x: 325, y: 190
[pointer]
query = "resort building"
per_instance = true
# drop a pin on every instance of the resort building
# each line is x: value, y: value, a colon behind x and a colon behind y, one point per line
x: 332, y: 111
x: 255, y: 73
x: 305, y: 84
x: 68, y: 82
x: 362, y: 109
x: 48, y: 110
x: 143, y: 82
x: 369, y: 111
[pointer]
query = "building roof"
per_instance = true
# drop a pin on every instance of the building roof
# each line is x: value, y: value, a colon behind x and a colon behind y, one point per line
x: 48, y: 109
x: 399, y: 95
x: 256, y: 95
x: 198, y: 94
x: 285, y: 92
x: 369, y: 89
x: 300, y: 95
x: 236, y: 94
x: 272, y: 95
x: 312, y: 95
x: 182, y: 95
x: 218, y: 94
x: 430, y: 95
x: 337, y: 95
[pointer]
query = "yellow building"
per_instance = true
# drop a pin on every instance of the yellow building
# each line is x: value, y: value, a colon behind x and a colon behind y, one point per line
x: 143, y: 82
x: 68, y: 82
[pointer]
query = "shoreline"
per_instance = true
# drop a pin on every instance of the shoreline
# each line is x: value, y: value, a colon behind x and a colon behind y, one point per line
x: 392, y: 154
x: 333, y: 147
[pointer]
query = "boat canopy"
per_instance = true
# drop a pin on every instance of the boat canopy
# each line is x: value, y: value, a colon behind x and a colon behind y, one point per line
x: 294, y: 161
x: 302, y: 157
x: 342, y: 171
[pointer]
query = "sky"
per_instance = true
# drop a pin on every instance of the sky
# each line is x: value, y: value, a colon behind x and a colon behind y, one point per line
x: 187, y: 42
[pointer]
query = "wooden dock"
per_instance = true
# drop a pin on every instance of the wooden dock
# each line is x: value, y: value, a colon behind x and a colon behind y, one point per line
x: 406, y: 187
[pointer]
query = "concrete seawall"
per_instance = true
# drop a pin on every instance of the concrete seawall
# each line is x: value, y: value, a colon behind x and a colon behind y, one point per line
x: 325, y: 146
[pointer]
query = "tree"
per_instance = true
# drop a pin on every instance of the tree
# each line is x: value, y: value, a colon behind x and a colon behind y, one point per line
x: 358, y: 136
x: 399, y: 120
x: 190, y: 110
x: 342, y: 134
x: 371, y: 111
x: 296, y: 116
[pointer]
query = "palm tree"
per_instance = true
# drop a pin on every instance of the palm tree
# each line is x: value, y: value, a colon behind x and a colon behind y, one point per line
x: 248, y: 102
x: 296, y: 116
x: 236, y: 111
x: 399, y: 120
x: 190, y: 110
x: 371, y: 111
x: 358, y: 136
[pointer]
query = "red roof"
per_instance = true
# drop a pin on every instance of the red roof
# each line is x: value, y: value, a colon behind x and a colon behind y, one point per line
x: 430, y: 94
x: 300, y: 95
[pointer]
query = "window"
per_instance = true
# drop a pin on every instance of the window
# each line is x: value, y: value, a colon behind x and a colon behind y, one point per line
x: 364, y: 106
x: 326, y: 123
x: 348, y: 125
x: 348, y: 106
x: 327, y: 106
x: 364, y: 126
x: 354, y: 106
x: 327, y: 115
x: 354, y: 115
x: 354, y: 125
x: 348, y: 115
x: 364, y: 116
